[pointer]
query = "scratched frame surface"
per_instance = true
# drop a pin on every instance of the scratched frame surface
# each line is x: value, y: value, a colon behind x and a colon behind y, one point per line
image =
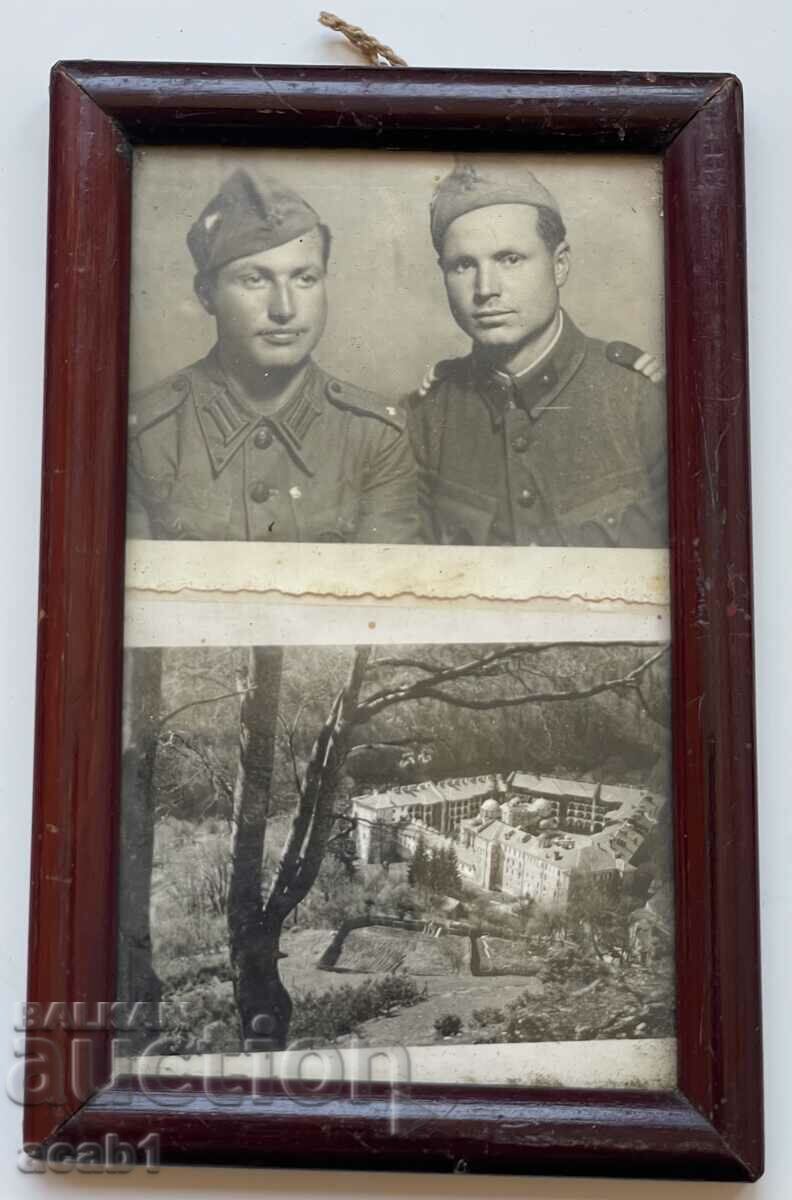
x: 710, y: 1126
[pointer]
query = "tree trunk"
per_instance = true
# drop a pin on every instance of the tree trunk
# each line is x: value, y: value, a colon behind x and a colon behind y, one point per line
x: 265, y: 1007
x: 137, y: 979
x: 263, y: 1002
x: 255, y: 930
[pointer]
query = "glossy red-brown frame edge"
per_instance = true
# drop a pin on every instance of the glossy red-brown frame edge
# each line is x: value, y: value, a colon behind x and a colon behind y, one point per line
x: 710, y: 1126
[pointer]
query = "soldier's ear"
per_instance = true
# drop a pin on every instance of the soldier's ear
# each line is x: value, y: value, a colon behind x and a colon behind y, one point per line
x: 202, y: 285
x: 561, y: 263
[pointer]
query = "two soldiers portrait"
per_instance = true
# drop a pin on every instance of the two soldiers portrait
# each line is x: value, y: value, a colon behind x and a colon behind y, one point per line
x: 539, y: 436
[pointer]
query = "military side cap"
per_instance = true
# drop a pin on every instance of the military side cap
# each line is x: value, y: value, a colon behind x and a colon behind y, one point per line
x: 468, y: 187
x: 244, y: 218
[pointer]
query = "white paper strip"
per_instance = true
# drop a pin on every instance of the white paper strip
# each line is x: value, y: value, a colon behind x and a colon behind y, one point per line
x: 413, y: 572
x: 633, y: 1063
x: 190, y: 619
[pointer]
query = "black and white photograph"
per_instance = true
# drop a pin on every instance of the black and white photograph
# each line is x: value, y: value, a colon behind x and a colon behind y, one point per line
x: 397, y: 347
x: 354, y: 814
x: 424, y: 846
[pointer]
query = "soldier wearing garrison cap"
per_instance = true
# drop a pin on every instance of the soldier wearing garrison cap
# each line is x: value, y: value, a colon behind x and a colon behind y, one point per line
x: 541, y: 435
x: 255, y: 441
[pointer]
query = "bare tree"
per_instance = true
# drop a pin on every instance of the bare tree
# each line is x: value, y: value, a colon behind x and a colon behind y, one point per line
x: 255, y: 924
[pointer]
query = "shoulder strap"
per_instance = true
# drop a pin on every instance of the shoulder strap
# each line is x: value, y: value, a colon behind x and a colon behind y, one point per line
x: 354, y: 399
x: 153, y: 405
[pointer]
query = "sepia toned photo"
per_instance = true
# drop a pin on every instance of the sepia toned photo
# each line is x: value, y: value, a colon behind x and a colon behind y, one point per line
x: 354, y: 815
x: 391, y: 348
x: 430, y: 847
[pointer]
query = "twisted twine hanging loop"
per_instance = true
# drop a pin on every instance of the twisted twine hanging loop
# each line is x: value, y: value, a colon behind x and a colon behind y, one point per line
x: 372, y: 50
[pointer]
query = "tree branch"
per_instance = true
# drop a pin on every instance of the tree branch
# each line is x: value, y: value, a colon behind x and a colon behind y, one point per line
x: 427, y: 689
x: 417, y: 664
x: 209, y: 700
x: 187, y: 748
x: 291, y: 730
x: 284, y: 879
x: 305, y: 846
x: 476, y: 667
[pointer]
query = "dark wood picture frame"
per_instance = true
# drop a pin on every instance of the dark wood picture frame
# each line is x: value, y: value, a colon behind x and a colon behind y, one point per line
x: 710, y: 1126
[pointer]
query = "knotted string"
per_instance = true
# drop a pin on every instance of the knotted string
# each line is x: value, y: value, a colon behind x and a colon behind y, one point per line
x: 371, y: 49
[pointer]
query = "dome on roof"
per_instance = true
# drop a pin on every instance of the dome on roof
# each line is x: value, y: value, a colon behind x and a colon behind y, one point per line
x: 490, y: 810
x: 540, y: 807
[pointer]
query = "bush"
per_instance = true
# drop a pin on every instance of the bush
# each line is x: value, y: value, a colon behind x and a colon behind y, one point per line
x: 571, y: 964
x: 399, y: 898
x: 189, y: 900
x: 179, y: 974
x: 488, y: 1015
x: 200, y: 1020
x: 214, y: 873
x: 325, y: 1016
x: 182, y: 942
x: 203, y: 1018
x: 522, y: 1025
x: 448, y: 1025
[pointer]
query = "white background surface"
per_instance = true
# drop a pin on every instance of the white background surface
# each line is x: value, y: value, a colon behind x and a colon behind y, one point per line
x: 752, y: 39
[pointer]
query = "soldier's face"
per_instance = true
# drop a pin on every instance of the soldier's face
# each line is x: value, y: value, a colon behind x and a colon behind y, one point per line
x: 271, y: 307
x: 502, y: 281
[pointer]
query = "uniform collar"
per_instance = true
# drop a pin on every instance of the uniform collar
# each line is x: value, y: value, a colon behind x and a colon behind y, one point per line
x: 537, y: 388
x: 227, y: 421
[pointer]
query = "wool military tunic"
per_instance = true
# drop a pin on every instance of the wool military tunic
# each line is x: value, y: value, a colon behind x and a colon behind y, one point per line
x: 570, y: 453
x: 334, y: 464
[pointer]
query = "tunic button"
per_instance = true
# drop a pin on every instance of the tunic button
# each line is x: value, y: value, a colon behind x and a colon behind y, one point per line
x: 259, y: 491
x: 526, y: 498
x: 520, y: 443
x: 262, y: 438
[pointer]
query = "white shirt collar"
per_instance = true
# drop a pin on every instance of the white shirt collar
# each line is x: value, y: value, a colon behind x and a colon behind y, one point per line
x: 547, y: 350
